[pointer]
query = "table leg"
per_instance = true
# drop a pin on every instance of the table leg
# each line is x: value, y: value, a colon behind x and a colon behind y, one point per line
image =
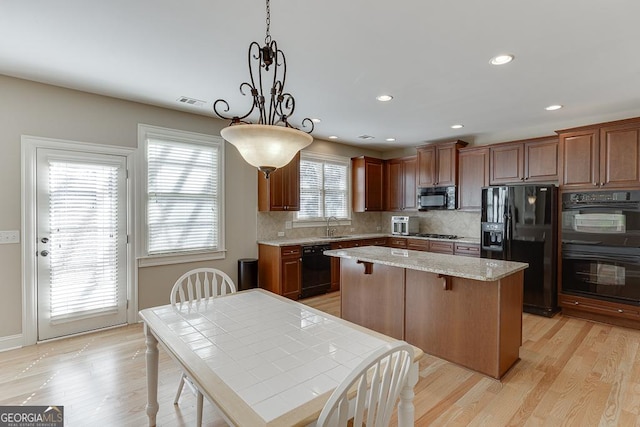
x: 406, y: 410
x: 152, y: 375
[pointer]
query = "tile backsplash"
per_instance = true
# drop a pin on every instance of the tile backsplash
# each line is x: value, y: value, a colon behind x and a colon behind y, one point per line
x: 463, y: 224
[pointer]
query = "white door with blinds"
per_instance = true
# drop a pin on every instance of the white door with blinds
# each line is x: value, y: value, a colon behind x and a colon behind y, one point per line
x: 82, y: 242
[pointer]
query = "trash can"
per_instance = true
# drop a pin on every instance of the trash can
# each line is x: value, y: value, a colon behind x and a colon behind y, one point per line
x: 247, y: 273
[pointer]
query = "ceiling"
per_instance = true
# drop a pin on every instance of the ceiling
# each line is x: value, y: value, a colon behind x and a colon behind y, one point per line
x: 432, y: 56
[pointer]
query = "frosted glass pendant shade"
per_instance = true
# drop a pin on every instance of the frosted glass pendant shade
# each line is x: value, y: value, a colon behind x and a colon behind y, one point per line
x: 267, y: 147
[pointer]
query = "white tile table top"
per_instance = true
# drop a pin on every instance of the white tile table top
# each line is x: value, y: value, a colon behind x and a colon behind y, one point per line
x: 276, y: 355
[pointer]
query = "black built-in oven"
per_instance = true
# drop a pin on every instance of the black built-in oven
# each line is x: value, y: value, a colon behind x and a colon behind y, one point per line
x: 601, y: 245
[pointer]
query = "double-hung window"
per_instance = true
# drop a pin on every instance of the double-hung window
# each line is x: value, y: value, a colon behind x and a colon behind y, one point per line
x: 183, y: 194
x: 325, y: 183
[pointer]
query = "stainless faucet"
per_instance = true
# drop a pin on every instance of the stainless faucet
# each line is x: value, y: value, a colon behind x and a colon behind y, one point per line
x: 331, y: 231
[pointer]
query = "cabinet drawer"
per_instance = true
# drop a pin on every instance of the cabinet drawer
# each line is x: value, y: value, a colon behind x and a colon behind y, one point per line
x: 418, y: 244
x: 290, y: 251
x: 374, y: 242
x: 466, y: 249
x: 397, y: 242
x: 441, y: 247
x: 599, y: 307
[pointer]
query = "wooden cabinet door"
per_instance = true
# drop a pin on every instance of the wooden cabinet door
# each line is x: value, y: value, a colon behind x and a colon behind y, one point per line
x: 507, y: 164
x: 620, y: 156
x: 367, y: 183
x: 446, y: 164
x: 291, y: 184
x: 374, y: 185
x: 426, y: 158
x: 281, y: 192
x: 473, y: 175
x: 541, y: 160
x: 410, y: 193
x: 291, y: 269
x: 394, y: 185
x: 579, y: 159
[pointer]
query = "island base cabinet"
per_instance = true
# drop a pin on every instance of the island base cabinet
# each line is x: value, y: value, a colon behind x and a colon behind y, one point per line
x: 372, y: 295
x: 472, y: 323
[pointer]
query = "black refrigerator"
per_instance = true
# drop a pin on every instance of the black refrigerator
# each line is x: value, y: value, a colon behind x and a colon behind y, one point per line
x: 519, y: 223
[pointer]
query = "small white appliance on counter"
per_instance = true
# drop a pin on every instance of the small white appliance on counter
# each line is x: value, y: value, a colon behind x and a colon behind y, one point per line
x: 404, y: 225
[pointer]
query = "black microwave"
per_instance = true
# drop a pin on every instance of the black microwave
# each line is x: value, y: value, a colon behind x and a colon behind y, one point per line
x: 436, y: 198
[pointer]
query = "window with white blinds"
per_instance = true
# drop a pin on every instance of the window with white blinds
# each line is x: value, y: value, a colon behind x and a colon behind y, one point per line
x: 83, y: 217
x: 183, y: 196
x: 324, y: 187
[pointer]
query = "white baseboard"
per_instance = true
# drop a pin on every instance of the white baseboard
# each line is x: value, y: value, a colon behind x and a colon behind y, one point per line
x: 11, y: 342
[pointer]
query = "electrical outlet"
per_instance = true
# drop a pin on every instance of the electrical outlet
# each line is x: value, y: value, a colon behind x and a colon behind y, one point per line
x: 287, y: 225
x: 12, y: 236
x: 378, y: 228
x: 352, y: 229
x: 280, y: 233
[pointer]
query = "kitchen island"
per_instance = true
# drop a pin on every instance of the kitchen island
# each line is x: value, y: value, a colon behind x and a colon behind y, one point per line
x: 464, y: 310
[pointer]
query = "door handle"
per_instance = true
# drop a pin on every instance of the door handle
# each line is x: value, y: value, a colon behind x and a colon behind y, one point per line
x: 44, y: 240
x: 44, y: 253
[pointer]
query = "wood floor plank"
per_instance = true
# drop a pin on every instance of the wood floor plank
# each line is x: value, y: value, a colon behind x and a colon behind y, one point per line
x: 572, y: 372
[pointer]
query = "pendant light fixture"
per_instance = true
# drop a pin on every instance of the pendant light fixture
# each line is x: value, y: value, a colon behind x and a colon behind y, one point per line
x: 272, y: 142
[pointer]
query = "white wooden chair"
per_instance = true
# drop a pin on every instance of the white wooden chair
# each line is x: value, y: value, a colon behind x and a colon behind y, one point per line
x: 377, y: 381
x: 196, y: 287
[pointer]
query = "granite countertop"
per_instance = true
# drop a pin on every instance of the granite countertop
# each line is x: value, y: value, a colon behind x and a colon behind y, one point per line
x: 486, y: 270
x: 321, y: 240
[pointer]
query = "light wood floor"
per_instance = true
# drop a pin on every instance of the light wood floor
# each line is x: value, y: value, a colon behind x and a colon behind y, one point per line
x: 572, y: 372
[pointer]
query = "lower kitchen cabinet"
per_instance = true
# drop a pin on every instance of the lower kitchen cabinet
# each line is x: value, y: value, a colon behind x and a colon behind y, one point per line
x: 280, y: 270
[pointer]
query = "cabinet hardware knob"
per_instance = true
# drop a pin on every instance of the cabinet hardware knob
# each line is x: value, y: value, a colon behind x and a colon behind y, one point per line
x: 44, y: 253
x: 602, y: 184
x: 620, y: 310
x: 576, y: 303
x: 595, y: 183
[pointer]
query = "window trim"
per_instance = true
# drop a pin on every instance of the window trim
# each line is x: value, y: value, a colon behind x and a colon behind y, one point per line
x: 146, y: 132
x: 323, y: 157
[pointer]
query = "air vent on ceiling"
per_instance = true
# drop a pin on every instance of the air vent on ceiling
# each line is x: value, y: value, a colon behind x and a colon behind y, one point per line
x: 191, y: 101
x: 366, y: 137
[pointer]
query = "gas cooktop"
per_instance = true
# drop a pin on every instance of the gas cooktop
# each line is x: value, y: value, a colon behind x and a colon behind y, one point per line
x: 438, y: 236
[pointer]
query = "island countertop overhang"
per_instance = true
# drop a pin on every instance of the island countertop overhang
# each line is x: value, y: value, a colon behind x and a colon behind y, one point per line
x: 482, y: 269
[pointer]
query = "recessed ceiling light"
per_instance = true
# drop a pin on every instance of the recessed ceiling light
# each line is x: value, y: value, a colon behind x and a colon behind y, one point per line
x: 384, y: 98
x: 457, y: 126
x: 316, y: 120
x: 501, y: 59
x: 390, y: 139
x: 333, y: 137
x: 553, y: 107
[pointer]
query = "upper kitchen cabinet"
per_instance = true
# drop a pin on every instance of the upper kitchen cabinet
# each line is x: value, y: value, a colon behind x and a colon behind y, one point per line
x: 367, y: 181
x: 438, y: 164
x: 400, y: 184
x: 602, y: 156
x: 533, y: 160
x: 472, y: 176
x: 281, y: 192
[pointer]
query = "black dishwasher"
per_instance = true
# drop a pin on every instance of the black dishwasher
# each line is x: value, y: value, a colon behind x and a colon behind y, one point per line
x: 316, y: 270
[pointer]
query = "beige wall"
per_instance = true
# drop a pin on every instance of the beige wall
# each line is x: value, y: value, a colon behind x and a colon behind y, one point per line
x: 28, y: 108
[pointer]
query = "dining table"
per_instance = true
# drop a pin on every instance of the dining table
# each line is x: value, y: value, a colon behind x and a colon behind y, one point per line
x: 260, y: 358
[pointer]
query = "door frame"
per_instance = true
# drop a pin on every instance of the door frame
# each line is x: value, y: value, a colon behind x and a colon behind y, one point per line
x: 29, y: 146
